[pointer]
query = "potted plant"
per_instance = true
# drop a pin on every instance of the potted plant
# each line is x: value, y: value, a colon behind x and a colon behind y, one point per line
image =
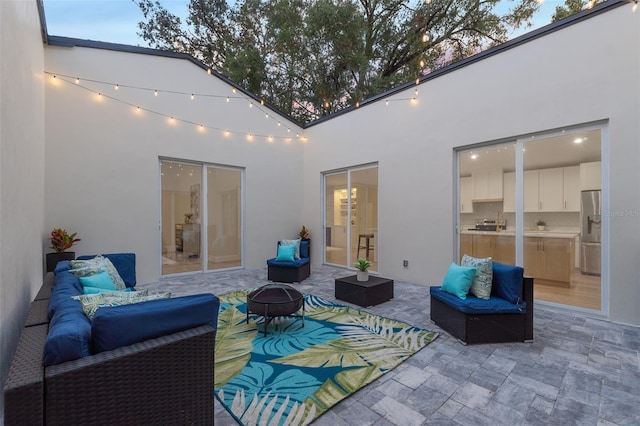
x: 61, y: 241
x: 362, y: 265
x: 540, y: 224
x: 304, y: 233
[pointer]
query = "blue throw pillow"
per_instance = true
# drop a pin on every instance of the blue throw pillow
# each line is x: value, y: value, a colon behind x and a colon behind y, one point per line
x: 286, y: 253
x: 458, y: 280
x: 304, y: 249
x: 101, y: 280
x: 507, y: 282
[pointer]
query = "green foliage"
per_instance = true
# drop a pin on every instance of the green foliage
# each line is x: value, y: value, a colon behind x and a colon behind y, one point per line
x: 362, y: 264
x: 310, y: 58
x: 61, y: 240
x: 571, y: 7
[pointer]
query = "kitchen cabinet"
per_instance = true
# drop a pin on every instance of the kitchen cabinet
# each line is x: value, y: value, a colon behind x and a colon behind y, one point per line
x: 500, y: 248
x: 591, y: 176
x: 509, y: 192
x: 550, y: 196
x: 487, y: 185
x: 552, y: 190
x: 466, y: 195
x: 466, y: 245
x: 571, y: 188
x: 549, y: 259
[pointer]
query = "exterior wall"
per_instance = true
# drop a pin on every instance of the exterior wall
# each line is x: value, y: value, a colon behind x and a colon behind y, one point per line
x: 21, y: 170
x: 565, y: 78
x: 102, y: 158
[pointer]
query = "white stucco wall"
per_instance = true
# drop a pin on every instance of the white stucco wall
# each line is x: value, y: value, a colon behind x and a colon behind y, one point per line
x: 21, y: 170
x: 102, y: 156
x: 566, y: 78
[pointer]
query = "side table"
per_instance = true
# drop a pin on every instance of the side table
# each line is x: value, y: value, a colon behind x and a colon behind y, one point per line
x: 364, y: 293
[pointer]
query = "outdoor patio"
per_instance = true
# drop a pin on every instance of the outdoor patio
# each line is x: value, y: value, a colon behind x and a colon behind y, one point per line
x: 578, y: 370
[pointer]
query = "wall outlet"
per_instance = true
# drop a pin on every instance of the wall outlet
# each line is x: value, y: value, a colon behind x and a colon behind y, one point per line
x: 405, y: 263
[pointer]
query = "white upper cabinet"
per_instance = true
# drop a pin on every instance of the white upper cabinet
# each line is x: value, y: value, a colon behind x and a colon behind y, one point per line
x: 466, y: 195
x: 571, y: 189
x: 590, y: 176
x: 487, y: 185
x: 509, y: 192
x: 550, y: 190
x: 531, y: 203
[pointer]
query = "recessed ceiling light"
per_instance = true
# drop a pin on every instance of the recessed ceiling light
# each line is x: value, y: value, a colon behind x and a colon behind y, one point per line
x: 474, y: 156
x: 578, y: 140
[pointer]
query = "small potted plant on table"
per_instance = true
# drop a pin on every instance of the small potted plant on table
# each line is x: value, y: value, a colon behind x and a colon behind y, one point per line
x: 61, y: 241
x: 540, y: 224
x: 362, y: 265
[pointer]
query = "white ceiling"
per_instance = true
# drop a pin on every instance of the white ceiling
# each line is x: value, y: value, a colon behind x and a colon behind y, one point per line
x: 539, y: 153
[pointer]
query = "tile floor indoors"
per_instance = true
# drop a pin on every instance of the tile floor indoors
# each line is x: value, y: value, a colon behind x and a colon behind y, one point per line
x: 578, y: 371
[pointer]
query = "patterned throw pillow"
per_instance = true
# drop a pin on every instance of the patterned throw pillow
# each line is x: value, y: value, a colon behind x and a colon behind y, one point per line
x: 85, y: 268
x: 481, y: 286
x: 296, y: 254
x: 92, y: 302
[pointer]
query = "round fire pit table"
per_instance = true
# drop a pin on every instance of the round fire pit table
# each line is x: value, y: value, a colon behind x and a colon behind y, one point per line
x: 275, y: 300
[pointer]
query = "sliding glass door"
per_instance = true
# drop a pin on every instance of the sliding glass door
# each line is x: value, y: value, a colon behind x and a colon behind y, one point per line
x: 351, y: 216
x: 201, y: 218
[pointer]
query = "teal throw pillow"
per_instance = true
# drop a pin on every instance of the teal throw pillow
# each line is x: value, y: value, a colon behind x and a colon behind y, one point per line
x: 286, y: 253
x: 481, y: 286
x: 458, y: 280
x: 295, y: 243
x: 101, y: 280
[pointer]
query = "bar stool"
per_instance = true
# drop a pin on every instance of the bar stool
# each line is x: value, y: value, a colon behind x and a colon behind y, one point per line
x: 367, y: 244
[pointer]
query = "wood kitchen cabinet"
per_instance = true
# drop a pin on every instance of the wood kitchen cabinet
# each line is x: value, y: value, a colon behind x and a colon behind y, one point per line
x: 466, y: 245
x: 500, y: 248
x: 549, y: 258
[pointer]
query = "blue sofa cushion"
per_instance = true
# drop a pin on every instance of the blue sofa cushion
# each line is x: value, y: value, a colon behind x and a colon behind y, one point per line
x: 66, y: 286
x: 63, y: 265
x: 125, y: 263
x: 288, y: 264
x: 304, y: 249
x: 69, y: 336
x: 507, y: 282
x: 118, y: 326
x: 474, y: 305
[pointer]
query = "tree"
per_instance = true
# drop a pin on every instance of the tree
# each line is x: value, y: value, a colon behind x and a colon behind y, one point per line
x: 571, y: 7
x: 309, y: 58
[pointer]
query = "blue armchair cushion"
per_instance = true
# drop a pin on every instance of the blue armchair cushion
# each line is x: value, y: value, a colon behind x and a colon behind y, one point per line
x: 304, y: 249
x: 507, y: 282
x: 287, y: 263
x: 119, y: 326
x: 458, y: 280
x: 125, y: 264
x: 474, y: 305
x: 286, y: 253
x: 69, y: 336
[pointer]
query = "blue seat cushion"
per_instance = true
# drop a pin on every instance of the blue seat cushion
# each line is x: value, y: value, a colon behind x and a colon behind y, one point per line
x: 118, y: 326
x: 474, y: 305
x: 125, y: 263
x: 287, y: 263
x: 507, y: 282
x: 69, y: 336
x: 66, y: 286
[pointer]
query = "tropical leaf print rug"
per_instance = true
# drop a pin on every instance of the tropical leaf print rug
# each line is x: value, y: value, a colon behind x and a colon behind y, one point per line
x: 296, y: 373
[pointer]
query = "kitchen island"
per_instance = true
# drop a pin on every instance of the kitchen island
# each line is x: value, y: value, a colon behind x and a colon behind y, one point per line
x: 549, y: 256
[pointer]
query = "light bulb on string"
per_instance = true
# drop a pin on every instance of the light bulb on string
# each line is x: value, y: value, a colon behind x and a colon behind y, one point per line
x: 279, y: 124
x: 116, y: 87
x: 155, y: 93
x: 421, y: 63
x: 209, y: 71
x: 425, y: 37
x: 228, y: 99
x: 635, y: 6
x: 77, y: 80
x: 250, y: 104
x: 386, y: 102
x: 262, y: 102
x: 266, y: 115
x: 193, y: 96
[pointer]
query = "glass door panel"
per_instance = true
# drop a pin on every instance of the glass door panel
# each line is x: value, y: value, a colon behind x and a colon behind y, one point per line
x: 181, y: 217
x: 487, y: 203
x: 224, y: 248
x: 351, y: 216
x: 337, y: 218
x: 561, y: 172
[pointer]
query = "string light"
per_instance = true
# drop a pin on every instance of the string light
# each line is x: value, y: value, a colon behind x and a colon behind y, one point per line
x: 155, y: 93
x: 116, y: 87
x: 209, y: 71
x: 635, y: 6
x: 262, y: 102
x: 228, y: 99
x: 386, y: 102
x: 193, y: 96
x: 250, y: 104
x: 425, y: 37
x: 77, y: 80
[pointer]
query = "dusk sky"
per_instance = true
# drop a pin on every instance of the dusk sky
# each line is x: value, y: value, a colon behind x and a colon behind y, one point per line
x: 116, y: 21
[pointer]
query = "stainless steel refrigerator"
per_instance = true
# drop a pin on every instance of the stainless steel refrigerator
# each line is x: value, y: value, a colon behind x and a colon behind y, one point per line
x: 590, y: 235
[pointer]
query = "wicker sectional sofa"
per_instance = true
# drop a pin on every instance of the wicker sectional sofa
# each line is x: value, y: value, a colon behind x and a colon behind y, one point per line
x: 167, y: 379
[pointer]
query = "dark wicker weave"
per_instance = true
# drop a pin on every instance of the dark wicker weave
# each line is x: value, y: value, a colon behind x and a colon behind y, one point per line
x: 283, y: 274
x: 38, y: 313
x: 45, y: 290
x: 486, y: 328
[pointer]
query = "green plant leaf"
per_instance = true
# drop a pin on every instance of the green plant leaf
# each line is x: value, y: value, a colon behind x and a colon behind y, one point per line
x: 233, y: 344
